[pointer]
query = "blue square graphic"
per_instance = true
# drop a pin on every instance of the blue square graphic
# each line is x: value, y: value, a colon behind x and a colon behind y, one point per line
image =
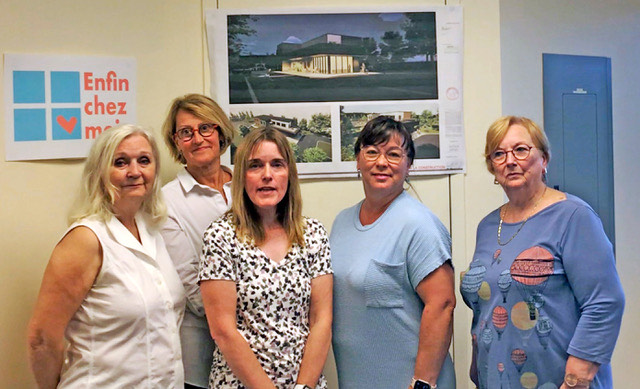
x: 66, y: 123
x: 28, y: 86
x: 29, y: 124
x: 65, y: 87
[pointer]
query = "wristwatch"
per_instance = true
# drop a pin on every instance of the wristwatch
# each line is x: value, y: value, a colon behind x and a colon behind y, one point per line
x: 420, y: 384
x: 302, y: 386
x: 572, y: 381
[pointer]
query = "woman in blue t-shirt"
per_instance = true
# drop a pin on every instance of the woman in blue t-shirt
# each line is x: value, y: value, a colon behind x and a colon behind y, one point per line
x: 394, y: 288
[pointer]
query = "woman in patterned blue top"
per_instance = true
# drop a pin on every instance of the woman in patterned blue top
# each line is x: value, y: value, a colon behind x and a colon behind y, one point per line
x: 546, y: 298
x: 265, y: 276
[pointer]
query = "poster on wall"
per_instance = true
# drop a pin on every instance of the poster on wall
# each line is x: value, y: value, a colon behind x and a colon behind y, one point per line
x: 318, y: 76
x: 56, y: 105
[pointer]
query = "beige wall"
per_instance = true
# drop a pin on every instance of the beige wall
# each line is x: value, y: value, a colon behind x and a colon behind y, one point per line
x: 166, y: 38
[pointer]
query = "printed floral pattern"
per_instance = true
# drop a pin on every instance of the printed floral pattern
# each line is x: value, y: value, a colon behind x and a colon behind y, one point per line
x: 273, y: 298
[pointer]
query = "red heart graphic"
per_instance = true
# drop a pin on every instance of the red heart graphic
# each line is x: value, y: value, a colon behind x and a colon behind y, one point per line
x: 67, y: 125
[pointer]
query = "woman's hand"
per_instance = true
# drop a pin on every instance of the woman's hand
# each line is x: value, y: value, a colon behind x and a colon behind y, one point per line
x: 581, y: 369
x: 70, y: 274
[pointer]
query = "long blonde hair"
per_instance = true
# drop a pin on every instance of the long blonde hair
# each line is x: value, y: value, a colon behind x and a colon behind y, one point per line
x: 97, y: 194
x: 289, y: 210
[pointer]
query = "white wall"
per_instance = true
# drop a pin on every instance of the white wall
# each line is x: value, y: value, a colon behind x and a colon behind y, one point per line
x: 595, y: 28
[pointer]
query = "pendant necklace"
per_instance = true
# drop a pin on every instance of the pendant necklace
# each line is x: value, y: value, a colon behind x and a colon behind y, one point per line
x: 523, y: 222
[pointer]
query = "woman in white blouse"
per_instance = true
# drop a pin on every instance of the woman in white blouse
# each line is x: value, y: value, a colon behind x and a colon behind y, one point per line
x: 197, y: 132
x: 111, y: 302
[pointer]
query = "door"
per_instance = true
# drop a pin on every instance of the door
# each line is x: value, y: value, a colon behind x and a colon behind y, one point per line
x: 577, y: 120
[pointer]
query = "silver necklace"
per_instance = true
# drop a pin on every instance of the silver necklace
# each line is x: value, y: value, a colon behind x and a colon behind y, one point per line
x: 523, y: 222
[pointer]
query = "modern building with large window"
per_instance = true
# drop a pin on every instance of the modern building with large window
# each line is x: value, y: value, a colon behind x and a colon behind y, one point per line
x: 330, y: 54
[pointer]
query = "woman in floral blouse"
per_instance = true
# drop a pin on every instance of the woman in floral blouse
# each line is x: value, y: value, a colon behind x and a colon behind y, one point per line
x: 265, y: 276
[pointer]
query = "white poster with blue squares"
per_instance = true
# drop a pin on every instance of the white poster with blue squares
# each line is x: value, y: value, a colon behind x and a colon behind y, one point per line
x: 56, y: 105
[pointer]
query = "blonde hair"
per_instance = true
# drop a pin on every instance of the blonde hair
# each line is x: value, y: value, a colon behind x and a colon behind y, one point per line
x: 289, y: 210
x: 203, y: 108
x: 498, y: 130
x: 97, y: 194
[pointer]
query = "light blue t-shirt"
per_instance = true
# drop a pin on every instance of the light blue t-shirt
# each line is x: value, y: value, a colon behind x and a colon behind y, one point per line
x: 377, y: 313
x: 551, y: 291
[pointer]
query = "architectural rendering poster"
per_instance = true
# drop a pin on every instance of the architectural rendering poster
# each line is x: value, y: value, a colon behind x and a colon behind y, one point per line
x: 318, y: 76
x: 56, y: 105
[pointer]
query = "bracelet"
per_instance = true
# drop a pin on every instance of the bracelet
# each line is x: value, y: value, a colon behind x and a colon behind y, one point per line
x: 301, y: 386
x: 572, y: 381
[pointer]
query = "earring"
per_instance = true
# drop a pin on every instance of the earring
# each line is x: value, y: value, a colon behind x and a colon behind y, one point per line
x: 495, y: 181
x: 358, y: 173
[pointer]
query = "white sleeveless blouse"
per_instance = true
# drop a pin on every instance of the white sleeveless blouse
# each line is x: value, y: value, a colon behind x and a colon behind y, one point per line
x: 125, y: 334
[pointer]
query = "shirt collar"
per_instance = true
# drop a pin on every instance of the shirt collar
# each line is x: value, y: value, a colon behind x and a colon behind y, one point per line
x: 188, y: 183
x: 124, y: 237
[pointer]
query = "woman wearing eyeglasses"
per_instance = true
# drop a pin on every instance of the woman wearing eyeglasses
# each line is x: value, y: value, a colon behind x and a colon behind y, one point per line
x: 545, y: 294
x: 394, y: 288
x: 197, y: 132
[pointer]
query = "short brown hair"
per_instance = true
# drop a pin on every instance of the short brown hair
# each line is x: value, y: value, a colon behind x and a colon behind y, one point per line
x: 379, y: 130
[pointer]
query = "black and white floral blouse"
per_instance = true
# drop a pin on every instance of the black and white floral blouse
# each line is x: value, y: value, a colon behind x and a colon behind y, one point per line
x: 273, y: 298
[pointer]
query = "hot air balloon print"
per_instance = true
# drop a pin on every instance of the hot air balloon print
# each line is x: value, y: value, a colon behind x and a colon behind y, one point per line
x: 500, y: 317
x: 500, y: 367
x: 496, y: 257
x: 504, y: 283
x: 531, y: 270
x: 529, y: 380
x: 520, y: 316
x: 486, y: 337
x: 543, y: 329
x: 471, y: 283
x: 485, y: 291
x: 518, y: 357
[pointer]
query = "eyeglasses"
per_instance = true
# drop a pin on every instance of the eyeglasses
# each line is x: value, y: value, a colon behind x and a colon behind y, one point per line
x: 520, y: 153
x: 205, y: 130
x: 393, y: 156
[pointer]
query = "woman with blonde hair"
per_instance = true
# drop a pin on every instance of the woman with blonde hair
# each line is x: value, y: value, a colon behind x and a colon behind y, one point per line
x: 111, y: 302
x: 265, y: 276
x: 197, y: 132
x: 555, y: 305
